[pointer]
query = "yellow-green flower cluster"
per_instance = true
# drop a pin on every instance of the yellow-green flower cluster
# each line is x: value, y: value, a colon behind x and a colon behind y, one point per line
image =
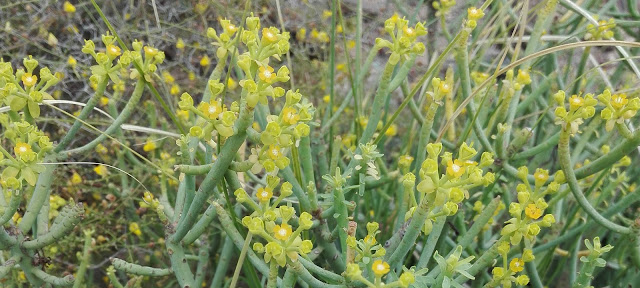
x: 527, y: 213
x: 403, y: 39
x: 617, y: 108
x: 443, y: 6
x: 104, y: 60
x: 23, y: 88
x: 527, y: 218
x: 30, y: 146
x: 580, y: 108
x: 453, y: 265
x: 604, y: 30
x: 448, y: 188
x: 366, y: 250
x: 214, y: 114
x: 283, y: 243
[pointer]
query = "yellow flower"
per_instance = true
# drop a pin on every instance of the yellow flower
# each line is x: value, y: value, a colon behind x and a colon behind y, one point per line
x: 211, y: 109
x: 269, y: 35
x: 576, y: 102
x: 150, y: 51
x: 205, y: 62
x: 516, y: 265
x: 264, y: 194
x: 149, y: 146
x: 113, y: 51
x: 326, y: 14
x: 370, y: 240
x: 274, y: 152
x: 532, y: 211
x: 301, y: 34
x: 380, y: 268
x: 232, y: 84
x: 289, y: 116
x: 541, y: 176
x: 101, y: 149
x: 175, y: 89
x: 101, y: 170
x: 76, y: 178
x: 22, y: 149
x: 104, y: 101
x: 619, y: 100
x: 72, y: 62
x: 29, y: 80
x: 180, y: 44
x: 266, y: 74
x: 68, y: 7
x: 135, y: 229
x: 282, y: 232
x: 392, y: 131
x: 475, y: 13
x: 455, y: 168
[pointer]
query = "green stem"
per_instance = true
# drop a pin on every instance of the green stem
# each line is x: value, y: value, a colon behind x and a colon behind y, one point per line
x: 37, y: 200
x: 68, y: 218
x: 127, y: 111
x: 88, y: 108
x: 567, y: 167
x: 243, y: 253
x: 273, y: 275
x: 136, y: 269
x: 84, y: 260
x: 223, y: 263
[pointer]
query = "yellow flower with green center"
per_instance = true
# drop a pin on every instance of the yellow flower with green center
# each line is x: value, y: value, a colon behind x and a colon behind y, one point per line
x: 113, y: 51
x: 516, y: 265
x: 270, y: 35
x: 289, y: 116
x: 274, y: 152
x: 380, y: 268
x: 29, y: 80
x: 619, y: 100
x: 264, y: 194
x: 150, y: 51
x: 282, y: 232
x: 211, y: 110
x: 532, y: 211
x: 455, y: 168
x: 22, y: 149
x: 266, y: 74
x: 576, y: 102
x: 76, y: 178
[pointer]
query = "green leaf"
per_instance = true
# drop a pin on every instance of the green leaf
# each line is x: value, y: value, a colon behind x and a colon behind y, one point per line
x: 10, y: 172
x: 34, y: 109
x: 17, y: 103
x: 29, y: 176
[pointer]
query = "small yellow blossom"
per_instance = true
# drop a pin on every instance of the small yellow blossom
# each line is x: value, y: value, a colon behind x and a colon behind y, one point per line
x: 76, y: 178
x: 72, y: 62
x: 135, y: 228
x: 274, y: 152
x: 392, y: 131
x: 68, y: 7
x: 380, y: 268
x: 149, y: 146
x: 516, y: 265
x: 180, y: 44
x: 174, y: 90
x: 282, y: 232
x: 212, y: 109
x: 264, y: 194
x: 22, y: 149
x: 532, y: 211
x: 576, y: 102
x: 541, y: 176
x: 205, y: 62
x: 289, y: 116
x: 101, y: 170
x: 455, y: 168
x: 266, y: 74
x: 101, y: 149
x: 231, y: 84
x: 104, y: 101
x: 113, y: 51
x: 29, y: 80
